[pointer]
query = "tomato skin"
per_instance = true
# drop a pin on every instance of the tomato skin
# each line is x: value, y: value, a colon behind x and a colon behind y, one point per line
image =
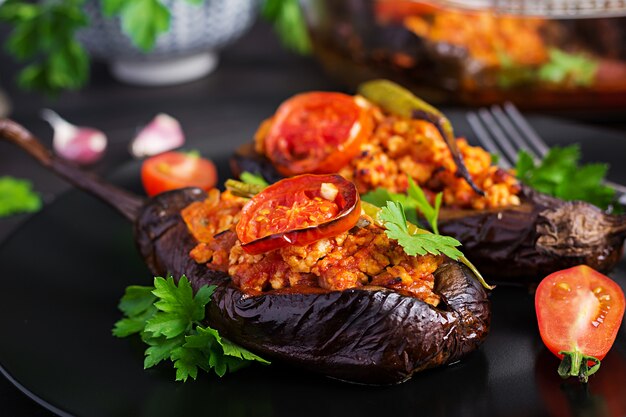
x: 396, y: 10
x: 579, y: 309
x: 282, y: 202
x: 317, y: 132
x: 174, y: 170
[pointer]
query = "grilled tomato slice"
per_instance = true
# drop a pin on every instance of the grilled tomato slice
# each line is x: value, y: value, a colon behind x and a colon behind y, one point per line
x: 298, y: 211
x: 579, y: 312
x: 173, y: 170
x: 317, y: 132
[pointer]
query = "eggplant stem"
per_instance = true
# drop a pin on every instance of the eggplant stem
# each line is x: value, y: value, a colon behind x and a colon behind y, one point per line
x: 126, y: 203
x: 575, y: 363
x: 398, y: 100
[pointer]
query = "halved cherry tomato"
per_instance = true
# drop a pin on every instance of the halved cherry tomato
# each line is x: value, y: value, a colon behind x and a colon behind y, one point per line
x: 317, y: 132
x: 298, y: 211
x: 579, y: 312
x: 173, y: 170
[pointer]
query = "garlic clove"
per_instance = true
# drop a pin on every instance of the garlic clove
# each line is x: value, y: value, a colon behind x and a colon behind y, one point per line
x: 83, y: 145
x: 162, y: 134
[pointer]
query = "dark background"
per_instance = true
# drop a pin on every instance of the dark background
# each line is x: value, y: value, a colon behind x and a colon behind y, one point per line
x: 255, y: 72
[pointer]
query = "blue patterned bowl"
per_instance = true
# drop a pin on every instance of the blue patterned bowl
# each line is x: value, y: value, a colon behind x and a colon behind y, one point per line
x: 186, y: 52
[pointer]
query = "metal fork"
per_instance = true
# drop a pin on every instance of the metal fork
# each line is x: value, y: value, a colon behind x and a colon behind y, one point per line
x: 504, y: 131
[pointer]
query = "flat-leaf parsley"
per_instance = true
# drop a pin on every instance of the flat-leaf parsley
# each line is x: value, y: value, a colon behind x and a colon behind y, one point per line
x: 168, y: 317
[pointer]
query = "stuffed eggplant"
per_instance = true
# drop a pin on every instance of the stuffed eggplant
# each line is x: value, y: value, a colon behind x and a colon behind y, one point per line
x: 376, y: 329
x: 385, y: 137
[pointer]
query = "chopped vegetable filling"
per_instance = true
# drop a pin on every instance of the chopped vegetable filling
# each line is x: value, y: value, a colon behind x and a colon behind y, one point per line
x: 362, y: 256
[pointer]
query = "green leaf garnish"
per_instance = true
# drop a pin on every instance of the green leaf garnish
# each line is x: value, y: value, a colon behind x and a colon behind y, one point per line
x: 415, y: 200
x: 44, y: 34
x: 142, y: 20
x: 420, y: 243
x: 288, y: 22
x: 564, y: 68
x: 17, y: 196
x: 559, y: 174
x: 168, y: 317
x: 254, y: 179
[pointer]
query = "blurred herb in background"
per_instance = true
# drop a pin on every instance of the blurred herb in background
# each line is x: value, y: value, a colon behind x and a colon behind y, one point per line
x: 289, y: 24
x: 17, y: 196
x: 562, y: 68
x: 44, y: 35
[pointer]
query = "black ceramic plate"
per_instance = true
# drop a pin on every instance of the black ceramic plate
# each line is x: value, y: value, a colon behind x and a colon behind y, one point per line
x: 65, y: 270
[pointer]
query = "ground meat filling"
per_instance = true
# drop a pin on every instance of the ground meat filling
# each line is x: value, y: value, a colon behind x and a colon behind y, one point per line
x: 401, y: 148
x: 359, y: 257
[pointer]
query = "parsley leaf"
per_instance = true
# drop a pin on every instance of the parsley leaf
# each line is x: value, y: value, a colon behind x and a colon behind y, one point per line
x: 17, y: 196
x: 380, y: 196
x: 559, y: 174
x: 288, y: 21
x: 565, y: 68
x: 44, y: 34
x: 415, y: 200
x: 254, y: 179
x: 419, y: 243
x: 168, y: 317
x: 431, y: 213
x: 142, y: 20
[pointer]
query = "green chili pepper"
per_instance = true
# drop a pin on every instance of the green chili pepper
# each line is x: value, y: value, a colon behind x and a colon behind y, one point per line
x: 399, y: 101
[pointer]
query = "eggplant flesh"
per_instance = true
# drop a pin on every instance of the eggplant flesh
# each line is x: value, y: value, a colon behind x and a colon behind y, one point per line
x: 369, y: 335
x: 518, y: 244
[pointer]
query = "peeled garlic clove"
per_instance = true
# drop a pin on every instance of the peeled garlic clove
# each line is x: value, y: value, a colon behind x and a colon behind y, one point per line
x: 162, y: 134
x: 82, y: 145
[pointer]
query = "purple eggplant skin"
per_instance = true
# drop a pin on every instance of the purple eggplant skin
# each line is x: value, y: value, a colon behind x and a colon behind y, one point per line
x: 514, y: 245
x: 368, y: 335
x: 544, y: 234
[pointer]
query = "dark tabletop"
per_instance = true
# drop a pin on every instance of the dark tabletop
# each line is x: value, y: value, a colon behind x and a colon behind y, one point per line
x: 254, y: 70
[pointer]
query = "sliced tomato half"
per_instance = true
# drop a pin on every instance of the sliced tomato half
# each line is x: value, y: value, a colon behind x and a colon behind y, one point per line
x: 579, y: 312
x: 317, y: 132
x: 173, y: 170
x: 298, y: 211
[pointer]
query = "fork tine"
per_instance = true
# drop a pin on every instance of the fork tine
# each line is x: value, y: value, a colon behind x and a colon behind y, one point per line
x: 512, y: 132
x: 503, y: 141
x: 485, y: 139
x: 531, y: 135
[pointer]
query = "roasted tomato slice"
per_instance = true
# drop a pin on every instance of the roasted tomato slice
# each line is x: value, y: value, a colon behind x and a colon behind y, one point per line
x: 317, y: 132
x: 298, y: 211
x: 579, y: 312
x: 173, y: 170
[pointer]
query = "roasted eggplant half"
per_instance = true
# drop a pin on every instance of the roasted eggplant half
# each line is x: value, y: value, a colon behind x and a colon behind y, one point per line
x: 513, y: 233
x: 367, y: 335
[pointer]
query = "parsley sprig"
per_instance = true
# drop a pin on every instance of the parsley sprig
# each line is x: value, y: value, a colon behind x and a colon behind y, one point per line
x: 44, y: 34
x: 389, y: 210
x: 17, y: 196
x: 168, y: 316
x: 418, y: 242
x: 560, y: 174
x: 413, y: 201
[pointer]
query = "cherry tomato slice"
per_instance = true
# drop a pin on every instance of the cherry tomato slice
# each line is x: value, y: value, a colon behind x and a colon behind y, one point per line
x: 173, y: 170
x: 317, y: 132
x: 298, y: 211
x: 579, y: 310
